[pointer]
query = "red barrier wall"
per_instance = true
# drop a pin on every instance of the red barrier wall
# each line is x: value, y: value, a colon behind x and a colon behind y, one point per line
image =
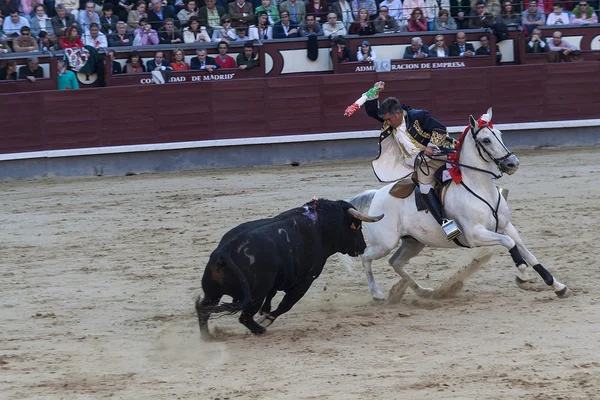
x: 287, y: 106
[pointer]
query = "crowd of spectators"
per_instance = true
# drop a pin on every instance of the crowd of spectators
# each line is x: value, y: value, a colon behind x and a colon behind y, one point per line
x: 40, y: 25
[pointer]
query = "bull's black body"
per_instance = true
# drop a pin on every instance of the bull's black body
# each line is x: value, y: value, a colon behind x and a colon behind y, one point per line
x: 287, y: 252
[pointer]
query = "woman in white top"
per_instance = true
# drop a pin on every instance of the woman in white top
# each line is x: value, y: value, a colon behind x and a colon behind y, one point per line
x: 366, y: 52
x: 224, y: 32
x: 194, y: 33
x: 262, y: 31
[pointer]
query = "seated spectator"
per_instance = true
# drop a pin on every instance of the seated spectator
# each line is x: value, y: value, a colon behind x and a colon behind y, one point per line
x: 333, y: 27
x: 460, y: 48
x: 417, y: 21
x: 365, y: 52
x: 561, y: 50
x: 341, y: 51
x: 343, y: 10
x: 368, y: 5
x: 134, y: 16
x: 533, y: 16
x: 40, y: 22
x: 203, y: 61
x: 178, y: 63
x: 211, y: 14
x: 47, y: 42
x: 311, y: 27
x: 120, y: 37
x: 536, y: 43
x: 108, y: 21
x: 262, y: 30
x: 242, y: 34
x: 271, y: 10
x: 4, y: 47
x: 115, y: 67
x: 169, y: 34
x: 134, y: 65
x: 408, y: 7
x: 32, y: 70
x: 188, y: 12
x: 25, y: 43
x: 444, y: 22
x: 557, y: 16
x: 486, y: 49
x: 416, y: 50
x: 394, y: 10
x: 158, y: 63
x: 362, y: 25
x: 584, y: 14
x: 12, y: 26
x: 144, y: 35
x: 62, y: 20
x: 439, y: 49
x: 384, y: 23
x: 491, y: 6
x: 121, y: 8
x: 88, y: 16
x: 317, y: 8
x: 223, y: 60
x: 93, y: 37
x: 507, y: 16
x: 241, y: 12
x: 285, y: 28
x: 71, y: 39
x: 26, y: 8
x: 296, y: 11
x: 71, y: 6
x: 157, y: 14
x: 194, y: 33
x: 225, y: 32
x: 481, y: 19
x: 248, y: 59
x: 67, y: 80
x: 459, y: 10
x: 9, y: 73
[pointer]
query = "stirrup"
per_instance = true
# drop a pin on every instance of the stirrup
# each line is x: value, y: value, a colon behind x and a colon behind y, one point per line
x: 451, y: 230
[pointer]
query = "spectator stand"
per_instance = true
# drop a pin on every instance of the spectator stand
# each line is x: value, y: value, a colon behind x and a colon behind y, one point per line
x: 47, y: 64
x: 584, y: 37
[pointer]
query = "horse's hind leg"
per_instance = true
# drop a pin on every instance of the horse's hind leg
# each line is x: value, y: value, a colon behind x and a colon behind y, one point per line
x: 409, y: 248
x: 522, y: 276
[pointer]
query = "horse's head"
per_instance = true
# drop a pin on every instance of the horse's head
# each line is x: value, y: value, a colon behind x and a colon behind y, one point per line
x: 490, y: 146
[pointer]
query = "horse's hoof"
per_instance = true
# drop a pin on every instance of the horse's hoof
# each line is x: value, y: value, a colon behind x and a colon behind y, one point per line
x: 265, y: 320
x: 564, y: 293
x: 259, y: 330
x: 378, y: 296
x: 525, y: 285
x: 425, y: 293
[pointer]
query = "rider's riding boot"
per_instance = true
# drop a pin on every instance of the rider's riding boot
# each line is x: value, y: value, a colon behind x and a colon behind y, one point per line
x: 449, y: 227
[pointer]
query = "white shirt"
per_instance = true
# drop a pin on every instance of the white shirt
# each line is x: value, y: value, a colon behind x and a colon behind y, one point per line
x: 8, y: 27
x: 338, y: 29
x: 347, y: 17
x: 562, y: 19
x: 88, y: 40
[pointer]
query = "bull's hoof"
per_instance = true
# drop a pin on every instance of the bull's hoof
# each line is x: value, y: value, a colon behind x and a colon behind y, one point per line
x: 207, y: 337
x: 564, y: 293
x: 258, y: 330
x: 525, y: 285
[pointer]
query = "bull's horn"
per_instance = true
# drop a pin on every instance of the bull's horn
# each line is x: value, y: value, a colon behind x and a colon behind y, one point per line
x: 365, y: 218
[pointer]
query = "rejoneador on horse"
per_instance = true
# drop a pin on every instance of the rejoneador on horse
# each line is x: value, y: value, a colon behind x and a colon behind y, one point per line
x: 474, y: 212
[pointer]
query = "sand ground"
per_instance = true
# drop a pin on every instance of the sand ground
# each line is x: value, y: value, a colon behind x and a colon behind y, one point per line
x: 98, y: 277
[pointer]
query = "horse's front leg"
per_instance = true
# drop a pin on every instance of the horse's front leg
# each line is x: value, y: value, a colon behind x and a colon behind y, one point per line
x: 373, y: 252
x: 560, y: 289
x: 480, y: 236
x: 408, y: 249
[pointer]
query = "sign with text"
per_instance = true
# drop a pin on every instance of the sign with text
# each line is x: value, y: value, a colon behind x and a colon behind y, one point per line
x: 185, y: 77
x: 409, y: 65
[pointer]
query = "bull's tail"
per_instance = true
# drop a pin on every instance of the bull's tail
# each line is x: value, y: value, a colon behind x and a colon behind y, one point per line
x: 362, y: 201
x: 234, y: 307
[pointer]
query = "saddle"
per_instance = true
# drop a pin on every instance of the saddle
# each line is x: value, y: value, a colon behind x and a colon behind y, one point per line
x: 404, y: 187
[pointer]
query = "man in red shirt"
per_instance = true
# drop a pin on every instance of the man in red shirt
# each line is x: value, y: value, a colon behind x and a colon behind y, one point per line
x: 223, y: 60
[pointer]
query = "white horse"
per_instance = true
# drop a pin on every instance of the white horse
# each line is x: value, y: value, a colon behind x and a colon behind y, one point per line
x: 475, y: 204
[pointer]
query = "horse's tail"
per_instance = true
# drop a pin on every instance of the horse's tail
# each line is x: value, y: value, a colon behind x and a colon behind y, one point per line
x: 362, y: 201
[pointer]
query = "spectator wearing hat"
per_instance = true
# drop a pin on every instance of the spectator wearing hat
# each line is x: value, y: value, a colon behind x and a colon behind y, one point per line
x: 32, y: 70
x: 384, y: 23
x: 262, y: 30
x: 66, y: 79
x: 285, y: 28
x: 333, y: 27
x: 310, y: 27
x: 365, y: 52
x: 341, y: 51
x: 12, y: 26
x: 25, y: 42
x: 223, y: 60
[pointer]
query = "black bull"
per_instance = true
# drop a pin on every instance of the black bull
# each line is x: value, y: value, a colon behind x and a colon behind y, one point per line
x: 287, y: 252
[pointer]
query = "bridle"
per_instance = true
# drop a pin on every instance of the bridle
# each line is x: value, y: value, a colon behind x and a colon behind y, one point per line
x: 480, y: 148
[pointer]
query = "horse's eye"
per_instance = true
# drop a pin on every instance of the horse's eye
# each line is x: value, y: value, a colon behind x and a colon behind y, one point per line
x: 486, y: 141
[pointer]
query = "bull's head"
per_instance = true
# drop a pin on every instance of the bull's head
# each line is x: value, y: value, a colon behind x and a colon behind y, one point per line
x: 356, y: 244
